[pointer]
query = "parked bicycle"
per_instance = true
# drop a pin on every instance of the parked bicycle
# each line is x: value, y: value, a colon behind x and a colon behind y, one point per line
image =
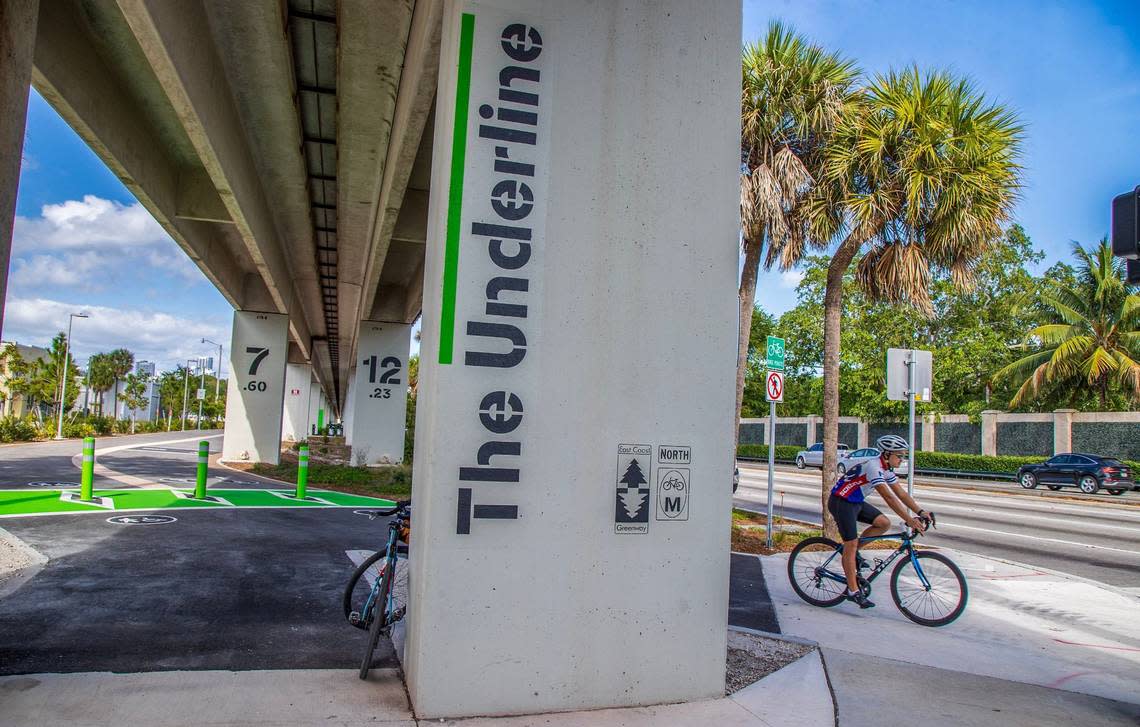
x: 374, y: 603
x: 927, y: 587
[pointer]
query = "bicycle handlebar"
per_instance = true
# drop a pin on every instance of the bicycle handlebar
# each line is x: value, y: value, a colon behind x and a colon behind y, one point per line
x: 386, y: 512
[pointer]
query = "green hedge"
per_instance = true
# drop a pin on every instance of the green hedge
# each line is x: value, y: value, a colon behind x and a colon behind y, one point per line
x: 784, y: 452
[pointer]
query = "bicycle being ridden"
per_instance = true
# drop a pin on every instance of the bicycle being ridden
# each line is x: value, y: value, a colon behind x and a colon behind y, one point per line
x: 375, y: 604
x: 927, y: 587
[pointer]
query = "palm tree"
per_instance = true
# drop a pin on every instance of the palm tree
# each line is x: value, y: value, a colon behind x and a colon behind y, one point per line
x: 100, y: 377
x: 792, y: 96
x: 121, y: 361
x: 929, y: 172
x: 1097, y: 342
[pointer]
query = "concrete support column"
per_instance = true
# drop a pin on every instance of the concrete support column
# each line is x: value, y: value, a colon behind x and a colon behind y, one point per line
x: 863, y: 435
x: 379, y: 397
x: 295, y: 413
x: 1063, y: 430
x: 316, y: 402
x: 17, y: 45
x: 256, y: 389
x: 989, y: 432
x: 572, y: 402
x: 928, y: 434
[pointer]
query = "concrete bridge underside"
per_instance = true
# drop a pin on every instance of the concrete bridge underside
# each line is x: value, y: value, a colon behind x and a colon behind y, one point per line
x: 285, y: 145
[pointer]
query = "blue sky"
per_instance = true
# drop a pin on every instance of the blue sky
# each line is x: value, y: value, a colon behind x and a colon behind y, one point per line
x: 1071, y: 70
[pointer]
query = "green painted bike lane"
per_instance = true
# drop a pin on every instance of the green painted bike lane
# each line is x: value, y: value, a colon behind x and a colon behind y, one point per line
x: 15, y: 503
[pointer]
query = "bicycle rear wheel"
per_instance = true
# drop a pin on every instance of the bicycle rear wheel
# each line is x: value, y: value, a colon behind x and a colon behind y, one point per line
x: 359, y: 588
x: 934, y: 598
x: 379, y: 620
x: 812, y: 568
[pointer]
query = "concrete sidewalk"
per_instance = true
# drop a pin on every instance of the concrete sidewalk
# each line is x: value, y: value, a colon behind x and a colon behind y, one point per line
x: 1032, y: 648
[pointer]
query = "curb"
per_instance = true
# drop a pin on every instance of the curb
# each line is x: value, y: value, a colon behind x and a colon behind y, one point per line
x: 816, y: 649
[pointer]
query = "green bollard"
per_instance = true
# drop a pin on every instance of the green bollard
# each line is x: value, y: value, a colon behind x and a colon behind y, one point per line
x: 87, y: 481
x: 203, y: 466
x: 302, y: 471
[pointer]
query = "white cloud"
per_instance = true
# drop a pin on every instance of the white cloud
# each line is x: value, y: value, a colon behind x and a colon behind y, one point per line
x: 75, y: 270
x: 92, y: 222
x: 150, y: 335
x: 791, y: 278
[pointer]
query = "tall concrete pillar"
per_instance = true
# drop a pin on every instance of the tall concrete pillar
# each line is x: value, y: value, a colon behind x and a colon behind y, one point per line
x: 864, y: 434
x: 295, y: 413
x: 17, y: 46
x: 1063, y: 430
x: 256, y: 389
x: 989, y: 432
x: 379, y: 395
x: 577, y: 361
x: 314, y: 405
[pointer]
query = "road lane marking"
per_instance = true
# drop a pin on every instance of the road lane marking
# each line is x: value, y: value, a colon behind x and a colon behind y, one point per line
x: 961, y: 504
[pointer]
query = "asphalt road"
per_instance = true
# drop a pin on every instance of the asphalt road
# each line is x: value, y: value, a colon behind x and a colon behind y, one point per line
x: 1095, y: 540
x: 165, y: 458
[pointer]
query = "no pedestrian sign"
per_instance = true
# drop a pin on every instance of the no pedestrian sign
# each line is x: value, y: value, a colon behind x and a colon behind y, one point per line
x: 774, y: 386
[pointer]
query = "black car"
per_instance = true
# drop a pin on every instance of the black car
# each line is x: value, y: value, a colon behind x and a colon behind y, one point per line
x: 1087, y: 472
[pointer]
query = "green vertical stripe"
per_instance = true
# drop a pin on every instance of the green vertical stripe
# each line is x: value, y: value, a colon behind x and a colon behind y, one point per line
x: 455, y: 192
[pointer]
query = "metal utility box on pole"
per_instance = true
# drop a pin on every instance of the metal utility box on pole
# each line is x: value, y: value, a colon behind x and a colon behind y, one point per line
x: 773, y: 393
x: 910, y: 378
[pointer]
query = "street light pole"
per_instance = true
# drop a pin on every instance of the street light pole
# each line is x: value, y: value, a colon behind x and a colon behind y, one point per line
x: 63, y: 384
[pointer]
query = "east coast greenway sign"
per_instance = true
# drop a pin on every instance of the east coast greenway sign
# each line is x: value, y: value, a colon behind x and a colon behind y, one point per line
x: 493, y: 260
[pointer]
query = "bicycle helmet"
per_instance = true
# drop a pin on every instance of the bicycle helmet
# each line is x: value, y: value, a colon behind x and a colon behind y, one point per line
x: 892, y: 443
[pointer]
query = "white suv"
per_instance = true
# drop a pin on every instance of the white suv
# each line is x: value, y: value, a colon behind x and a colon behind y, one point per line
x: 813, y: 455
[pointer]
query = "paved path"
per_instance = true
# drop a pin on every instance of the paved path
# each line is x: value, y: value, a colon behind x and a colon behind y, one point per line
x: 1021, y: 625
x: 1092, y: 540
x: 220, y: 589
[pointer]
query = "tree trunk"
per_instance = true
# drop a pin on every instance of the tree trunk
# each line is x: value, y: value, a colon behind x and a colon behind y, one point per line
x: 832, y: 317
x: 744, y: 320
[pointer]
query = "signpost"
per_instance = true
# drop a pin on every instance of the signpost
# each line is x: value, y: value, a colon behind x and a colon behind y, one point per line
x: 774, y: 393
x: 910, y: 375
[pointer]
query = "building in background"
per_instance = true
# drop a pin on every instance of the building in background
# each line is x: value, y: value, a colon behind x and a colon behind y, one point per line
x: 12, y: 403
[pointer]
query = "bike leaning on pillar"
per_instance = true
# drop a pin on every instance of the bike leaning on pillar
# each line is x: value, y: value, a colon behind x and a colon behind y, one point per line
x: 375, y: 604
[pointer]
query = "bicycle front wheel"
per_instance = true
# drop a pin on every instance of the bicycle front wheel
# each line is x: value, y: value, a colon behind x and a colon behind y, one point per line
x: 359, y: 588
x: 815, y: 569
x: 379, y: 620
x: 929, y: 589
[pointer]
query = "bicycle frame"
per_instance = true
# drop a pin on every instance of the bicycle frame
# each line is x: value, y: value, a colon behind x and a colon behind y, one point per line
x: 390, y: 568
x: 906, y: 546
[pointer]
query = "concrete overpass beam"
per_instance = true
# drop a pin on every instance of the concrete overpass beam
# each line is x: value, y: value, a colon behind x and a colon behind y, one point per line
x: 74, y: 78
x: 18, y: 20
x: 198, y: 200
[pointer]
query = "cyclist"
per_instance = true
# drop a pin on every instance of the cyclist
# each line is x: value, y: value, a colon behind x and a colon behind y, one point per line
x: 847, y: 504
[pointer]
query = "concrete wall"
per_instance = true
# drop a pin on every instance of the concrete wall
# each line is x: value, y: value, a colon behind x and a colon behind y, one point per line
x: 1115, y: 434
x: 541, y: 580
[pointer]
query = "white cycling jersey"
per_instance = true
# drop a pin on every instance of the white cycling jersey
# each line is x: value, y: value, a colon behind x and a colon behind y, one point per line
x: 862, y: 479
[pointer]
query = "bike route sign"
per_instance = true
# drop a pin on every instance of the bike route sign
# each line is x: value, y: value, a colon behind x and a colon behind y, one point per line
x: 775, y: 354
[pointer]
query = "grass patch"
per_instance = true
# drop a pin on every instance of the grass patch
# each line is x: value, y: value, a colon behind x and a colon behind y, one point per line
x: 392, y: 482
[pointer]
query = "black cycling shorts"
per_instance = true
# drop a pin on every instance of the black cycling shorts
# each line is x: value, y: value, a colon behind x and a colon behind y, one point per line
x: 847, y: 513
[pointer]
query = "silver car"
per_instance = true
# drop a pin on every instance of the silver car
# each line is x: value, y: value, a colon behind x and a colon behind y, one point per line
x: 862, y: 455
x: 813, y: 455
